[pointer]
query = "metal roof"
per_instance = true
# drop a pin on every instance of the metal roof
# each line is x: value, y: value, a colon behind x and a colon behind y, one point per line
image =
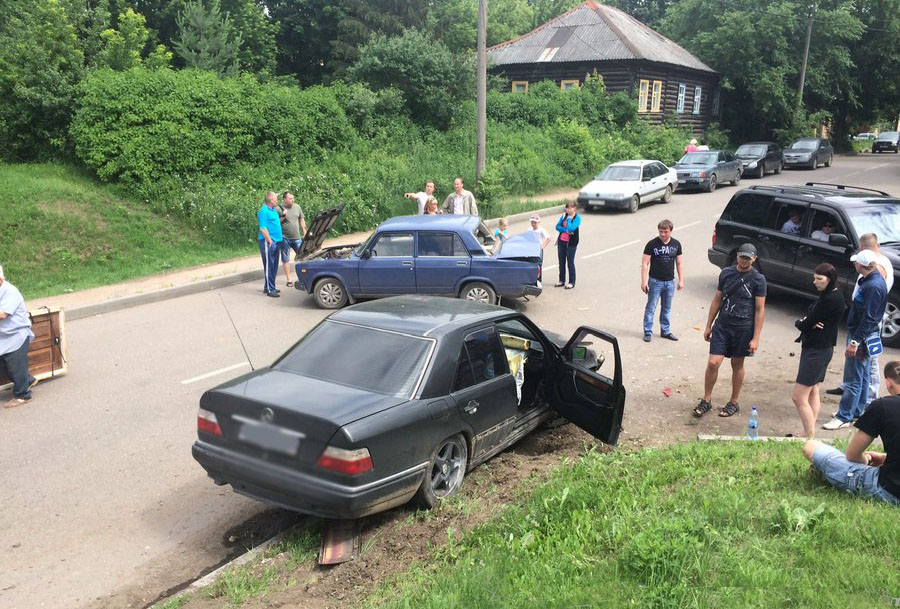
x: 592, y: 32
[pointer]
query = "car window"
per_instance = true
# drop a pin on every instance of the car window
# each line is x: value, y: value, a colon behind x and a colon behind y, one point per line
x: 441, y: 244
x: 515, y: 329
x: 619, y: 173
x: 824, y: 223
x: 661, y: 169
x: 390, y: 364
x: 790, y: 218
x: 748, y: 208
x: 881, y: 219
x: 481, y: 359
x: 393, y: 244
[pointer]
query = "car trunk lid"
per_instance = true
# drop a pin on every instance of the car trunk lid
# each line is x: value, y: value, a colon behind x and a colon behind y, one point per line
x: 525, y: 246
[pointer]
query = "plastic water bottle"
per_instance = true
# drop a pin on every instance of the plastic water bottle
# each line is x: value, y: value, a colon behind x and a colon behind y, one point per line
x: 753, y: 424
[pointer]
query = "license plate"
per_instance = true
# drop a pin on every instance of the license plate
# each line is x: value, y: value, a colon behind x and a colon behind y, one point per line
x: 682, y: 181
x: 270, y: 437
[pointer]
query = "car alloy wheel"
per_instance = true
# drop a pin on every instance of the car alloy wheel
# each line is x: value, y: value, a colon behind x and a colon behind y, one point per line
x: 330, y: 294
x: 737, y: 179
x: 828, y: 162
x: 890, y: 332
x: 479, y: 292
x: 762, y: 170
x: 445, y: 473
x: 778, y: 168
x: 813, y: 163
x: 634, y: 204
x: 712, y: 183
x: 667, y: 196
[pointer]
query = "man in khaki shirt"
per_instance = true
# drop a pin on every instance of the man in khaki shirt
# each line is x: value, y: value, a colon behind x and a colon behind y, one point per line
x: 460, y: 201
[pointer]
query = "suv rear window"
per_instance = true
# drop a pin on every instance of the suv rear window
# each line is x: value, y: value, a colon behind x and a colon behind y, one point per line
x: 748, y: 208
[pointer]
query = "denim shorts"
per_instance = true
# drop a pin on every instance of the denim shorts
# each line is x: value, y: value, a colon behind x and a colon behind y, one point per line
x: 730, y: 341
x: 288, y: 245
x: 854, y: 478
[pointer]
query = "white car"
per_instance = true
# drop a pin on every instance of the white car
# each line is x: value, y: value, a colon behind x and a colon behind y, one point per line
x: 627, y: 184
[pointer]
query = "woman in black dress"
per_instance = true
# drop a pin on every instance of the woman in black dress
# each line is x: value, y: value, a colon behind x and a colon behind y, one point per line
x: 818, y: 337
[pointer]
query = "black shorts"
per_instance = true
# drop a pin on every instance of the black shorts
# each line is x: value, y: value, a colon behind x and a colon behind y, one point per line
x: 813, y: 364
x: 730, y: 341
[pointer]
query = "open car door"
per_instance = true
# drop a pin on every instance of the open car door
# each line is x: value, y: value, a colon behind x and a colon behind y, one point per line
x: 582, y: 392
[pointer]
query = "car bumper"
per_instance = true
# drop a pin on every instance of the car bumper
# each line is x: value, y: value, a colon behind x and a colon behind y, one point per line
x: 792, y: 162
x: 591, y: 203
x: 884, y: 147
x: 692, y: 183
x: 531, y: 290
x: 718, y: 258
x: 293, y: 490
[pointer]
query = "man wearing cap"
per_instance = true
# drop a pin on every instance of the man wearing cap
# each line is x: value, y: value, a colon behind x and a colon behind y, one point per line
x: 734, y: 326
x: 662, y: 256
x: 15, y: 336
x: 540, y: 232
x: 866, y: 311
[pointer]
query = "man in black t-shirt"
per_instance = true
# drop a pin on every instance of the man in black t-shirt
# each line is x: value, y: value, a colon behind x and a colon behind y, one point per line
x: 738, y: 310
x: 865, y: 472
x: 661, y: 256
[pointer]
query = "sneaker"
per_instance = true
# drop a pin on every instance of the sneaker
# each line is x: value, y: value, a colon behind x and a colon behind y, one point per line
x: 16, y: 402
x: 835, y: 423
x: 569, y: 286
x: 559, y: 285
x: 836, y: 391
x: 647, y: 338
x: 669, y: 336
x: 273, y: 295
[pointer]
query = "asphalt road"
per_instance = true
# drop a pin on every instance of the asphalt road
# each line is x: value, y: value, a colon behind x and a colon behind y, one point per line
x: 102, y: 502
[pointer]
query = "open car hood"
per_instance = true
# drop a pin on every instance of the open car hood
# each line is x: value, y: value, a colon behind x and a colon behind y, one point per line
x: 318, y: 230
x: 525, y: 245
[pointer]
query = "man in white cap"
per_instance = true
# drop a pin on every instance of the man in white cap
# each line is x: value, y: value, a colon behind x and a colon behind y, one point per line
x: 15, y: 336
x: 866, y: 311
x: 540, y: 232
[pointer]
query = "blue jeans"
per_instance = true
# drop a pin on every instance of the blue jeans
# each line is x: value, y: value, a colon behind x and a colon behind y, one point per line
x: 663, y: 291
x: 566, y: 255
x: 874, y: 376
x: 289, y: 245
x: 16, y: 368
x: 854, y: 478
x: 856, y: 387
x: 269, y: 255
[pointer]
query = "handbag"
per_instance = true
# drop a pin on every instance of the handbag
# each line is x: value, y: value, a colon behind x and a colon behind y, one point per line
x: 874, y: 345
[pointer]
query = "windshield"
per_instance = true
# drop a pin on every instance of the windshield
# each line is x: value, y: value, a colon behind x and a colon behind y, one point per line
x: 620, y: 173
x: 698, y: 158
x: 750, y: 151
x: 888, y: 136
x: 362, y: 246
x: 805, y: 145
x: 881, y: 219
x: 390, y: 363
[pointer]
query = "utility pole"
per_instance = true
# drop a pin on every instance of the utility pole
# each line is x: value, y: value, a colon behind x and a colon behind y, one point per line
x: 809, y: 26
x: 481, y: 91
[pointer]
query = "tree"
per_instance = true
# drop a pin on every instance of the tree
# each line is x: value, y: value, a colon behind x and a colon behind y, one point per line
x: 40, y: 64
x: 123, y: 48
x: 305, y: 31
x: 433, y: 80
x: 206, y: 39
x: 455, y: 22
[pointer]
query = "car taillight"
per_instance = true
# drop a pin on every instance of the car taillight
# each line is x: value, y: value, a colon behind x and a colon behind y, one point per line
x: 206, y: 421
x: 344, y: 461
x: 714, y: 237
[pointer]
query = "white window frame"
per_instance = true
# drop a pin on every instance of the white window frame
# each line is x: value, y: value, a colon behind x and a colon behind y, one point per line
x: 682, y: 93
x: 698, y: 95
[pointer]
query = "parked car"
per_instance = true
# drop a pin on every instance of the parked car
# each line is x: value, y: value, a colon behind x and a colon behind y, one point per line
x: 865, y: 136
x: 809, y: 152
x: 758, y: 215
x: 447, y: 255
x: 708, y: 169
x: 757, y: 158
x: 888, y: 141
x: 628, y: 184
x: 398, y: 398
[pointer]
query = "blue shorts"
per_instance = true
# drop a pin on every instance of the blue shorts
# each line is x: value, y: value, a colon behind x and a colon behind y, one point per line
x: 854, y: 478
x: 730, y: 341
x: 288, y: 245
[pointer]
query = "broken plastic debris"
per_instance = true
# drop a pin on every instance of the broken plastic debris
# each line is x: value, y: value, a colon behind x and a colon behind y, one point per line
x: 667, y: 391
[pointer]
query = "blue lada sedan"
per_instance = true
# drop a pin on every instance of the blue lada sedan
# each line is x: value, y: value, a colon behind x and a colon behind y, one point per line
x: 446, y: 255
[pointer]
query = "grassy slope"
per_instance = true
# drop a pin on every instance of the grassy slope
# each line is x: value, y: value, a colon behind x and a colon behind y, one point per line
x: 61, y: 231
x: 700, y: 525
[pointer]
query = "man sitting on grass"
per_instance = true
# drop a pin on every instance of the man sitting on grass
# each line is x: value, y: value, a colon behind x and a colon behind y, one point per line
x: 861, y: 471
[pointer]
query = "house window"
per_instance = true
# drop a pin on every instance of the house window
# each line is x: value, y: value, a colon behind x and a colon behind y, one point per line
x: 715, y: 103
x: 698, y: 94
x: 682, y: 90
x: 656, y: 97
x: 520, y: 86
x: 644, y: 96
x: 565, y: 85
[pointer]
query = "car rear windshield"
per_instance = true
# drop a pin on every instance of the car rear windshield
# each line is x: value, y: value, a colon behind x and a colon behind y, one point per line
x: 889, y: 136
x: 805, y: 145
x: 619, y: 173
x: 356, y: 356
x: 882, y: 219
x: 698, y: 158
x: 750, y: 150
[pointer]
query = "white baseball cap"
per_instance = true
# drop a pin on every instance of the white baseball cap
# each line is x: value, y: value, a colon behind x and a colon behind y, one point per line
x: 535, y: 218
x: 864, y: 257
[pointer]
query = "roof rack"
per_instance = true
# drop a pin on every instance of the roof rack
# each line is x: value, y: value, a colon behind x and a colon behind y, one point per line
x: 794, y: 188
x: 843, y: 187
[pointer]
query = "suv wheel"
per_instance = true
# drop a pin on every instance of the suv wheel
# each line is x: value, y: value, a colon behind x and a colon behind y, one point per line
x: 890, y: 333
x: 712, y: 183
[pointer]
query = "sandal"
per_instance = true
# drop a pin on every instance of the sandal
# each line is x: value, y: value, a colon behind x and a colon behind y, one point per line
x: 729, y: 409
x: 290, y: 284
x: 701, y: 409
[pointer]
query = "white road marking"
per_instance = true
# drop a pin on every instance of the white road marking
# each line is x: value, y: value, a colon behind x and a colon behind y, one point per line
x: 612, y: 249
x: 688, y: 225
x: 214, y: 373
x: 716, y: 216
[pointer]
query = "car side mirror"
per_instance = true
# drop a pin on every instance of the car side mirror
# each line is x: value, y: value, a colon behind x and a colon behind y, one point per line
x: 366, y: 254
x: 838, y: 240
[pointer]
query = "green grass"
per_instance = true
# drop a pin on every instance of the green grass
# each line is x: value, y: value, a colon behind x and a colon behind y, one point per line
x: 699, y: 525
x: 62, y: 232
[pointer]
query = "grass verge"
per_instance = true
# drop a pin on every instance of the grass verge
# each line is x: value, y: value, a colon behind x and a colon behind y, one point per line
x: 699, y: 525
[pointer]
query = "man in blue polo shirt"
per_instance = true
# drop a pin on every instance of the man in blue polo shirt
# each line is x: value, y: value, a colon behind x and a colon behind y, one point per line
x: 15, y: 335
x: 269, y: 239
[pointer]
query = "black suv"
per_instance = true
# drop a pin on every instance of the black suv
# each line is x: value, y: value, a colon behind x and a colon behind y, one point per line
x: 795, y: 228
x: 758, y: 158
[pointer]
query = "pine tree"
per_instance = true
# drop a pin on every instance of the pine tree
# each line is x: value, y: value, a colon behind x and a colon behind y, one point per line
x: 206, y: 39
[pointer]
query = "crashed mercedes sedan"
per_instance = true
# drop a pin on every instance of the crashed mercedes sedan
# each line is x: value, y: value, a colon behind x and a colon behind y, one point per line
x: 425, y: 389
x: 446, y: 255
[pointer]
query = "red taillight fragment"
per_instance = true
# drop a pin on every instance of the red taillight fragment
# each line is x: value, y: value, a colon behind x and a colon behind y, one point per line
x: 350, y: 462
x: 207, y: 422
x: 714, y: 237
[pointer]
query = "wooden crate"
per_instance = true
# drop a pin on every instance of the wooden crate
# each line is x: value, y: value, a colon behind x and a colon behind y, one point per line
x: 47, y: 356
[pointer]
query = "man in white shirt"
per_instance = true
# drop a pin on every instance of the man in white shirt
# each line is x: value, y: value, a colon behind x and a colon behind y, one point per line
x: 540, y: 232
x: 822, y: 234
x: 792, y: 226
x: 421, y: 197
x: 15, y: 336
x: 460, y: 201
